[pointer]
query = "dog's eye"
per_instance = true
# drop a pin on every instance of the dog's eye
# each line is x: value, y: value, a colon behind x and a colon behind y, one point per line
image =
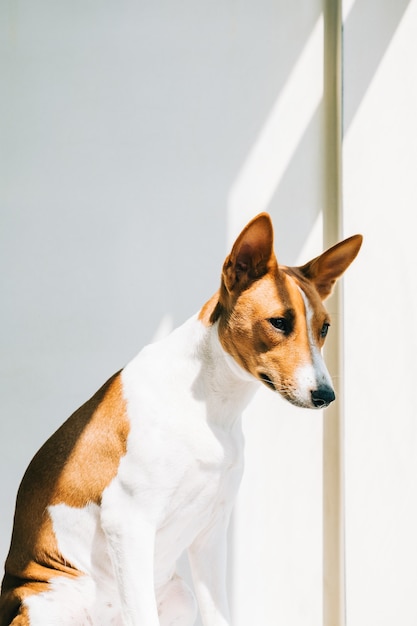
x: 280, y: 323
x: 324, y: 330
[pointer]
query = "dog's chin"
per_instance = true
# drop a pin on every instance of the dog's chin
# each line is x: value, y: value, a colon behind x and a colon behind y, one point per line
x: 292, y: 399
x: 305, y: 405
x: 298, y: 402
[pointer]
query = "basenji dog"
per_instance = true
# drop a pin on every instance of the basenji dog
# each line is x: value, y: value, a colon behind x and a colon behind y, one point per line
x: 149, y: 467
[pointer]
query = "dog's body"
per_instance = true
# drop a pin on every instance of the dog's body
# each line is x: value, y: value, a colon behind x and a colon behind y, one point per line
x: 150, y: 466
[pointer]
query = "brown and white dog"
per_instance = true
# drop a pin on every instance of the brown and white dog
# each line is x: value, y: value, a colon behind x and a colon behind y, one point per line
x: 149, y: 467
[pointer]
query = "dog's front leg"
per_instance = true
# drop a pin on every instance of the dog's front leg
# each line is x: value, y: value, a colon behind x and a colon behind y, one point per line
x: 131, y: 541
x: 208, y: 561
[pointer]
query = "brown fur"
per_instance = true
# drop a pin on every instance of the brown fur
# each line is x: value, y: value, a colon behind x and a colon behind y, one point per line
x: 73, y: 467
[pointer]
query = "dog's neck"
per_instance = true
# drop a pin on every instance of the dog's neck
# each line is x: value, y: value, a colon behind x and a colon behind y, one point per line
x: 212, y: 374
x: 231, y: 385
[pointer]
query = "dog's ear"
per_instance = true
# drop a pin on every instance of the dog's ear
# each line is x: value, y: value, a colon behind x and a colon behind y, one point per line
x: 252, y: 254
x: 324, y: 270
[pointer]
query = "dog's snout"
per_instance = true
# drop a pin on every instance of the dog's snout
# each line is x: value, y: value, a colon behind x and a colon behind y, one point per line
x: 322, y: 397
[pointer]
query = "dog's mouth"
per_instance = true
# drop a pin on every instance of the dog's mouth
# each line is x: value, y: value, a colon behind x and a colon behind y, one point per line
x: 267, y: 381
x: 285, y: 394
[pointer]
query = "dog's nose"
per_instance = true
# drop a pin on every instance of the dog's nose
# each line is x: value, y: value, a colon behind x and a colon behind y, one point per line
x: 322, y: 397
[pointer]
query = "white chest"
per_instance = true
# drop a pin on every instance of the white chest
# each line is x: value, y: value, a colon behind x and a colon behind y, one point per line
x: 186, y: 478
x: 184, y: 457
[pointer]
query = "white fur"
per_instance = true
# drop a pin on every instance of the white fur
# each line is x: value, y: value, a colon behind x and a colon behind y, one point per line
x: 74, y: 602
x: 174, y: 491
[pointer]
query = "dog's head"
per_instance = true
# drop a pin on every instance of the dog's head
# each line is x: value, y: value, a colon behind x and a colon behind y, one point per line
x: 271, y: 318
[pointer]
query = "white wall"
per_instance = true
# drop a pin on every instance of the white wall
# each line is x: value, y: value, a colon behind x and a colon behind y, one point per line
x: 137, y: 137
x: 380, y: 199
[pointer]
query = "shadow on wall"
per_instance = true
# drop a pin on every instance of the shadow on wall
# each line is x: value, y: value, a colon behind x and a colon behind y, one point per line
x: 283, y: 170
x: 122, y: 132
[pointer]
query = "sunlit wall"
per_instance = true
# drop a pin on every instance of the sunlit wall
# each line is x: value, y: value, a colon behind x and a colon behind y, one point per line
x: 380, y: 199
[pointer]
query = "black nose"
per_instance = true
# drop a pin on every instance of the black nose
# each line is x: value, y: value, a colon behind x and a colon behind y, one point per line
x: 322, y: 397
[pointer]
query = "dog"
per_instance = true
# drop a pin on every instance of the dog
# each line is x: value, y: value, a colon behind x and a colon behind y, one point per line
x: 149, y: 467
